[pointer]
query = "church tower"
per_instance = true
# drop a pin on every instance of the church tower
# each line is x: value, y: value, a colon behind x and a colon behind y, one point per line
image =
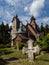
x: 15, y: 27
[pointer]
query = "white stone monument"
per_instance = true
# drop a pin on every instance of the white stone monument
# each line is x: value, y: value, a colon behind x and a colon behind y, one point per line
x: 31, y: 55
x: 31, y: 50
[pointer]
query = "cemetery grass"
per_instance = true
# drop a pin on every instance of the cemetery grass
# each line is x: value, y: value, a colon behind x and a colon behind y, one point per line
x: 10, y: 56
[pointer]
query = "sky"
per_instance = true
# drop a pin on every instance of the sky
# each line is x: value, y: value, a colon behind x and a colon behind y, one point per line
x: 24, y: 9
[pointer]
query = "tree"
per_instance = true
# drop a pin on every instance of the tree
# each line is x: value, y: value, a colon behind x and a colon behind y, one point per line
x: 42, y: 27
x: 38, y: 28
x: 5, y: 36
x: 46, y: 30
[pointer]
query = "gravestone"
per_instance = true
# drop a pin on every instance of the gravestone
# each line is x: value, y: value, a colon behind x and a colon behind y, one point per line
x: 31, y: 55
x: 31, y: 50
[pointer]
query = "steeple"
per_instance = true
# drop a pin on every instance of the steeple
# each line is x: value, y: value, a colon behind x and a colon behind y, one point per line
x: 15, y: 26
x: 32, y: 22
x: 32, y: 18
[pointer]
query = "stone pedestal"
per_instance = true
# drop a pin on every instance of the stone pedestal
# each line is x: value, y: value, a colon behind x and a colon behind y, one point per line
x: 31, y: 55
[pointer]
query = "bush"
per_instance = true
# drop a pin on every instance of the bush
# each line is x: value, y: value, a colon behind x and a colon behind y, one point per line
x: 21, y: 45
x: 5, y: 45
x: 43, y: 43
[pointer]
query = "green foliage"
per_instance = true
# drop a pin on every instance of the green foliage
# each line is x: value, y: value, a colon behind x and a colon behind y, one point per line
x: 5, y: 46
x: 21, y: 45
x: 5, y: 36
x: 43, y: 42
x: 44, y: 29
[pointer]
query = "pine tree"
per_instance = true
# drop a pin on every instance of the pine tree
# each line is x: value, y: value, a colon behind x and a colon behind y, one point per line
x: 46, y: 31
x: 5, y: 36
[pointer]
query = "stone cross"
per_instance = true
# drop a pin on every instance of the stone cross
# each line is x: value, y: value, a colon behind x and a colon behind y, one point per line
x: 31, y: 50
x: 31, y: 55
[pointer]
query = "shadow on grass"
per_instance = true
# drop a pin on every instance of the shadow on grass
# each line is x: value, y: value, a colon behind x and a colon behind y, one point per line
x: 12, y: 59
x: 3, y: 62
x: 7, y: 61
x: 5, y: 52
x: 8, y: 52
x: 47, y: 60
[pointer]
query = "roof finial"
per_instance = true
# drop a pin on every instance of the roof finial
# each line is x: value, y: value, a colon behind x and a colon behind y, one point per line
x: 32, y: 18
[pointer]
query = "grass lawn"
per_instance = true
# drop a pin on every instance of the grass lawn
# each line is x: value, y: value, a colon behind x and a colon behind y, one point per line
x: 11, y: 56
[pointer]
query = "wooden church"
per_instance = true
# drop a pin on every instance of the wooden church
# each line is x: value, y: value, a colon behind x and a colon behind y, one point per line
x: 21, y: 33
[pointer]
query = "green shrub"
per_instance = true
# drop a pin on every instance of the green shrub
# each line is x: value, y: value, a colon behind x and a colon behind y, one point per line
x: 5, y: 45
x: 43, y: 43
x: 21, y: 45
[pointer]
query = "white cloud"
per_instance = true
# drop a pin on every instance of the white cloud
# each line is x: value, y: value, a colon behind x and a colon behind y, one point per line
x: 4, y: 22
x: 12, y: 2
x: 32, y: 8
x: 8, y: 15
x: 24, y: 19
x: 46, y: 19
x: 35, y: 8
x: 25, y: 9
x: 1, y: 11
x: 5, y: 15
x: 10, y: 24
